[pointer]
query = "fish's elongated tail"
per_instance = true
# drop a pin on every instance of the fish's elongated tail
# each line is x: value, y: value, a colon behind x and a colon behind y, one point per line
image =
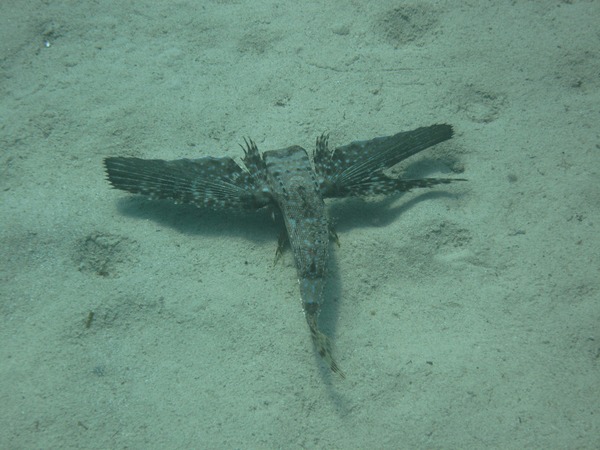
x: 321, y: 341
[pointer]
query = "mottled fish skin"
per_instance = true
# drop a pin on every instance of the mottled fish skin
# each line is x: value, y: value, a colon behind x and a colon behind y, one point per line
x: 294, y: 187
x: 287, y: 179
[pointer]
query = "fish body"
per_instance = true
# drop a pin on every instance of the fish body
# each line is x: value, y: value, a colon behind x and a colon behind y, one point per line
x: 290, y: 180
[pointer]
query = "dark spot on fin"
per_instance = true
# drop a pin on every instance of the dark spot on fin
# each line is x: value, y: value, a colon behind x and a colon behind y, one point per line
x: 323, y: 345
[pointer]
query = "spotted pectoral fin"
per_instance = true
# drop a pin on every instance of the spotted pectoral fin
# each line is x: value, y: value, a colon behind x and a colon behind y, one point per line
x: 357, y: 168
x: 384, y: 185
x: 217, y: 183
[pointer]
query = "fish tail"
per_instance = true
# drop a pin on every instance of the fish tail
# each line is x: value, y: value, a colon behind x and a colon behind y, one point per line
x: 322, y: 343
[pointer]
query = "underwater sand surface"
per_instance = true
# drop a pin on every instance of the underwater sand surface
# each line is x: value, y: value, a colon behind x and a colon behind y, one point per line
x: 465, y: 316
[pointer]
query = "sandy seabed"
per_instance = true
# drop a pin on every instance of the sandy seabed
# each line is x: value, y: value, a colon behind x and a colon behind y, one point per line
x: 465, y: 316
